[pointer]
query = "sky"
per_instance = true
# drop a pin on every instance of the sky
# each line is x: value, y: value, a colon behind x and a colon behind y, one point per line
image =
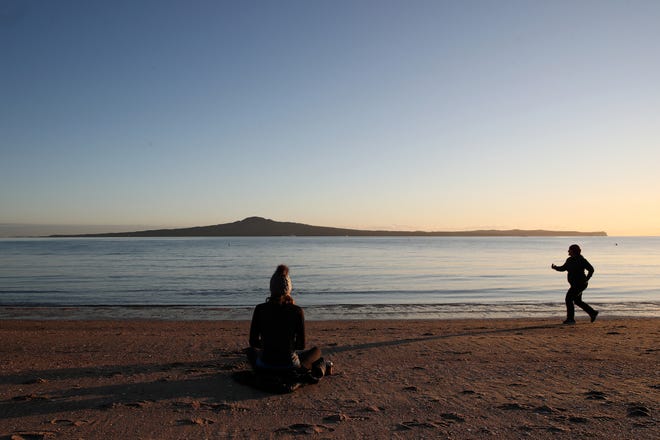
x: 417, y: 115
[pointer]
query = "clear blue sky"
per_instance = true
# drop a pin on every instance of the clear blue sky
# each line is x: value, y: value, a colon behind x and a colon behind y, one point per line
x: 433, y: 115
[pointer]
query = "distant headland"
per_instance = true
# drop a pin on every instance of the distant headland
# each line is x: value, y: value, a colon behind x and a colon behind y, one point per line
x: 262, y: 227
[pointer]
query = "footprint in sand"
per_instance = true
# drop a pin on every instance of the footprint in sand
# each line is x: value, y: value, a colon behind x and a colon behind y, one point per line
x: 138, y: 404
x: 453, y: 417
x: 36, y: 435
x: 304, y: 428
x: 556, y: 429
x: 548, y: 428
x: 373, y: 409
x: 336, y: 418
x: 638, y: 411
x: 67, y: 422
x: 595, y: 395
x: 513, y: 407
x: 410, y: 425
x: 545, y: 409
x: 196, y: 421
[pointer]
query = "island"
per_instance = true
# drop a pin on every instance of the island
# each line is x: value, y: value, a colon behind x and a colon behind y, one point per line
x: 262, y: 227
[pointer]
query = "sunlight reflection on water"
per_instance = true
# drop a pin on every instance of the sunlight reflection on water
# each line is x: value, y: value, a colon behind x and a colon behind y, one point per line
x: 333, y: 277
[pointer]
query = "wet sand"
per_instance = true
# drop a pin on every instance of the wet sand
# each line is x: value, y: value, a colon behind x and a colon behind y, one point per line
x: 393, y: 379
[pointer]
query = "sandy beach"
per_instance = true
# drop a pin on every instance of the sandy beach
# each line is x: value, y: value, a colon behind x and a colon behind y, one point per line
x: 516, y: 378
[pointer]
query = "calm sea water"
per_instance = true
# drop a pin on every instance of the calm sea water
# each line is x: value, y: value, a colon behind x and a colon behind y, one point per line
x: 333, y: 277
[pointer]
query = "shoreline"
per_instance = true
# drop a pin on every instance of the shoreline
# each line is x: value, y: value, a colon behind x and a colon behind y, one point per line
x: 340, y: 312
x: 497, y: 378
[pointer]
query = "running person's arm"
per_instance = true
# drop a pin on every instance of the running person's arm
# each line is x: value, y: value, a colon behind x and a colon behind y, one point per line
x: 561, y: 268
x: 589, y: 268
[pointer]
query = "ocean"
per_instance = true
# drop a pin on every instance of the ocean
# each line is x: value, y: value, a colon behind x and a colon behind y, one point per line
x: 333, y: 277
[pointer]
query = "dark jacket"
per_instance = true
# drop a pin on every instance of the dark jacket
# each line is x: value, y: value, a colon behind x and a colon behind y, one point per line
x: 575, y: 266
x: 279, y: 329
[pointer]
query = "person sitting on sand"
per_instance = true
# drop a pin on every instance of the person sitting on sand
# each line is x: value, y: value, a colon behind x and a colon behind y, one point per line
x: 575, y: 265
x: 277, y: 332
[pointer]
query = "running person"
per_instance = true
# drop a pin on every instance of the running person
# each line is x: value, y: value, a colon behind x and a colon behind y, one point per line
x: 576, y: 265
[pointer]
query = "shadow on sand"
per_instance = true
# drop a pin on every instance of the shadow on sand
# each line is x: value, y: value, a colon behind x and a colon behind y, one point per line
x: 207, y: 381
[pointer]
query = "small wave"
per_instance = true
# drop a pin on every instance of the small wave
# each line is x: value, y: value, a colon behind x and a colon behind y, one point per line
x: 176, y: 312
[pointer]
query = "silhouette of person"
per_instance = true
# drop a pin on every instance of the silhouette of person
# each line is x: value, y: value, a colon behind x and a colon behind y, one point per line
x: 576, y: 265
x: 277, y: 331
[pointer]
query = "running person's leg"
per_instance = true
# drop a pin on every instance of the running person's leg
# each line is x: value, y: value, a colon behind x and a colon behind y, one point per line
x: 584, y: 306
x: 570, y: 309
